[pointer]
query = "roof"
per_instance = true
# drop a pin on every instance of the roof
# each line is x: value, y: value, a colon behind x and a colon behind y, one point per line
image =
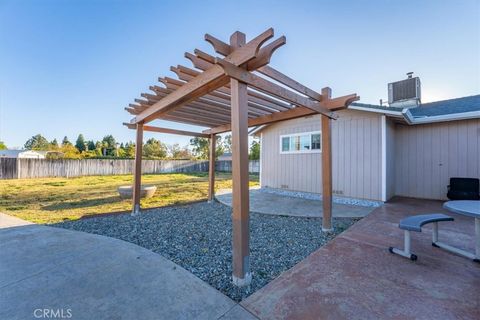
x: 437, y: 111
x: 375, y: 107
x: 15, y: 153
x: 430, y: 109
x: 451, y: 106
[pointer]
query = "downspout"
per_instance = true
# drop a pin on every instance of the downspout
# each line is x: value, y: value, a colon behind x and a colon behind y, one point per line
x: 384, y: 157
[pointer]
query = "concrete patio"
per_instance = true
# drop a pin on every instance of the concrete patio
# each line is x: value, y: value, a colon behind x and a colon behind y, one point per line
x: 97, y: 277
x: 270, y: 203
x: 355, y: 277
x: 352, y: 277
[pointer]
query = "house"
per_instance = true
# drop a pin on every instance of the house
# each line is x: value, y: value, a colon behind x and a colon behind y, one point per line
x: 227, y: 156
x: 405, y: 149
x: 30, y: 154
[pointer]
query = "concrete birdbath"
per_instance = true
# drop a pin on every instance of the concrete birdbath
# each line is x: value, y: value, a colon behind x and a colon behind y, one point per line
x: 147, y: 191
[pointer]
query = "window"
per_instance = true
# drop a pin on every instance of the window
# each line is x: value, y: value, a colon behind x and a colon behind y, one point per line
x: 305, y: 142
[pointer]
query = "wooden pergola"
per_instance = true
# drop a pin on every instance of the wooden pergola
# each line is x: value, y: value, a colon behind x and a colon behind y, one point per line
x: 231, y: 93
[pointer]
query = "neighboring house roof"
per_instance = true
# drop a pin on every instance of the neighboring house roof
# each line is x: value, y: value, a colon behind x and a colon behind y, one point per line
x: 18, y: 153
x: 10, y: 153
x: 225, y: 156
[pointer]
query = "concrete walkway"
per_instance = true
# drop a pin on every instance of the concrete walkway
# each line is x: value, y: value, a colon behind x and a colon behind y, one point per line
x: 355, y: 277
x: 270, y: 203
x: 96, y: 277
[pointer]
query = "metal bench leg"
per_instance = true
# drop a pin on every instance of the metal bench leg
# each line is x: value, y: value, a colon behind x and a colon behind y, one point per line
x: 477, y: 240
x: 474, y: 256
x: 435, y: 233
x: 406, y: 247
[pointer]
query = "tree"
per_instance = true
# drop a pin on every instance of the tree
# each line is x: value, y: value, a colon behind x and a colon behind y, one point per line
x: 53, y: 145
x: 177, y: 152
x: 254, y: 153
x: 154, y: 149
x: 173, y: 150
x: 91, y: 145
x: 129, y: 150
x: 66, y: 142
x: 227, y: 144
x: 70, y: 152
x: 184, y: 154
x: 2, y: 146
x: 80, y: 143
x: 201, y: 147
x: 109, y: 145
x: 99, y: 148
x: 37, y: 142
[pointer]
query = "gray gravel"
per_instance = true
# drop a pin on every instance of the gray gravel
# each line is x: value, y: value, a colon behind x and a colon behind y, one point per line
x: 198, y: 238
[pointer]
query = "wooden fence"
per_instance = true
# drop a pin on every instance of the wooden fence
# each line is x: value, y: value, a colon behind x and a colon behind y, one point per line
x: 38, y: 168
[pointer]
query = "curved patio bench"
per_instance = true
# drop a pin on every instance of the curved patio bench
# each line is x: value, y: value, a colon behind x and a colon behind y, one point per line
x: 415, y: 223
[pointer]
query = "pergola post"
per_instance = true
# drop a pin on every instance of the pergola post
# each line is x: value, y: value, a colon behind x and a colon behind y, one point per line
x: 211, y: 168
x: 137, y: 174
x: 240, y: 194
x: 326, y: 167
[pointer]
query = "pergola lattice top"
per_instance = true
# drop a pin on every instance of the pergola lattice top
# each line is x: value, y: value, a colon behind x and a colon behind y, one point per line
x: 202, y: 96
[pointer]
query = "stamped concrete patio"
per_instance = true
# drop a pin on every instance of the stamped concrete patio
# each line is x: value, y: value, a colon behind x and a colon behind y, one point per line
x: 271, y: 203
x: 355, y: 277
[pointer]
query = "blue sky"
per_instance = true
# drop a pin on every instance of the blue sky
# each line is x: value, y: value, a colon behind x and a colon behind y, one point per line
x: 70, y: 67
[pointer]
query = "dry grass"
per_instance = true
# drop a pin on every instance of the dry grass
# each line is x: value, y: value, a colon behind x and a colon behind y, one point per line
x: 52, y: 200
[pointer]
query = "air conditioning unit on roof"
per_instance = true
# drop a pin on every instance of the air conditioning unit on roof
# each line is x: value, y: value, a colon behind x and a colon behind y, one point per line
x: 405, y: 93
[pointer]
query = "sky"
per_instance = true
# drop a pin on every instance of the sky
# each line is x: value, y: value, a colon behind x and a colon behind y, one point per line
x: 71, y: 66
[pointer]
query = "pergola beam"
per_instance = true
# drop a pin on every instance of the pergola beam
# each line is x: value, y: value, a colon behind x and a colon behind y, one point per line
x: 326, y: 168
x: 224, y: 49
x: 217, y: 96
x: 169, y: 131
x: 190, y: 111
x: 240, y: 192
x: 208, y: 60
x: 271, y: 88
x: 205, y: 82
x: 211, y: 167
x: 298, y: 112
x: 207, y: 100
x: 294, y: 113
x: 223, y: 113
x: 253, y: 97
x: 137, y: 174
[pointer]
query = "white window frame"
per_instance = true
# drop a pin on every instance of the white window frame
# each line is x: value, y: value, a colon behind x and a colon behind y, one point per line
x: 301, y: 134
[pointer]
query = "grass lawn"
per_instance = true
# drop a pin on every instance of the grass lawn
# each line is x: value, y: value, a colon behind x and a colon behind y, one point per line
x: 50, y: 200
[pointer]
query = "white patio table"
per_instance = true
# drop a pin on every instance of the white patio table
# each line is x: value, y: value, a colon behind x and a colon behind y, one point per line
x: 469, y: 208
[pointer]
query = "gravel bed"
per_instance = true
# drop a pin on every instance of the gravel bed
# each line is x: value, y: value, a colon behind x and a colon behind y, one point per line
x: 316, y: 196
x: 198, y: 238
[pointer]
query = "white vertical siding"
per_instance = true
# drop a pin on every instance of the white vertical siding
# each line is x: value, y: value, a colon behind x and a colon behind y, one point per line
x: 428, y: 155
x: 356, y: 156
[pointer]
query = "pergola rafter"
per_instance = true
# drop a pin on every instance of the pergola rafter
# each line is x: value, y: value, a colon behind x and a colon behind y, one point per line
x: 232, y: 93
